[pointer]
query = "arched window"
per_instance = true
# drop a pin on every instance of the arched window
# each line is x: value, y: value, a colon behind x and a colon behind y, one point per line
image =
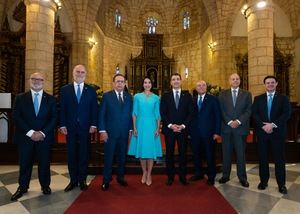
x: 118, y: 18
x: 151, y: 23
x: 186, y: 20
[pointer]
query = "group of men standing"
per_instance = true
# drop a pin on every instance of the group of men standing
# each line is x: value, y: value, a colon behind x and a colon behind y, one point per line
x: 205, y: 118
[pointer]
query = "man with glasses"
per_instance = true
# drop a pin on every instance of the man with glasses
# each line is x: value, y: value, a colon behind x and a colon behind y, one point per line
x: 34, y: 115
x: 78, y: 119
x: 115, y: 122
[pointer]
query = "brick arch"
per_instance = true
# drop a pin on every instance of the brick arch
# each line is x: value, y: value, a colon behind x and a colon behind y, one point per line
x: 292, y: 9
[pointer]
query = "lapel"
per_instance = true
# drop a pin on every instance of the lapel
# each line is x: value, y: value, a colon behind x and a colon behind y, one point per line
x: 239, y: 95
x: 115, y: 98
x: 73, y: 92
x: 29, y: 103
x: 43, y: 103
x: 172, y: 99
x: 229, y: 98
x: 83, y: 93
x: 265, y: 105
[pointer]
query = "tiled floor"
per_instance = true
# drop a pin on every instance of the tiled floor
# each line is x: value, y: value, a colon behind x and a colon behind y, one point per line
x: 244, y: 200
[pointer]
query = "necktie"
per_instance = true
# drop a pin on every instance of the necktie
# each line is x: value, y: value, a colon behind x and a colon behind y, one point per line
x: 200, y: 103
x: 270, y: 99
x: 120, y: 98
x: 36, y: 103
x: 234, y: 97
x: 177, y: 99
x: 78, y: 93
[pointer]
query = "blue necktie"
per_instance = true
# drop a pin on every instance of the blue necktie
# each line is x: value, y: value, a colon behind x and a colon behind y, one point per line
x: 270, y: 99
x: 200, y: 103
x: 177, y: 99
x: 36, y: 103
x: 78, y: 93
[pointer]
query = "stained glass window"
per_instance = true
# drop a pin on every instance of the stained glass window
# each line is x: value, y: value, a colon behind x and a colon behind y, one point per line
x: 151, y: 23
x: 118, y: 18
x: 186, y: 20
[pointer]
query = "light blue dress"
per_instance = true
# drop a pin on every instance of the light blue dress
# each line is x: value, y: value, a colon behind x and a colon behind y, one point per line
x: 146, y: 144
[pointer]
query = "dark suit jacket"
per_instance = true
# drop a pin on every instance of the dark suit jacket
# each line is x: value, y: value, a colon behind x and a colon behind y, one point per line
x: 207, y: 121
x: 25, y: 119
x: 280, y: 113
x: 241, y: 111
x: 73, y: 113
x: 171, y: 115
x: 114, y: 118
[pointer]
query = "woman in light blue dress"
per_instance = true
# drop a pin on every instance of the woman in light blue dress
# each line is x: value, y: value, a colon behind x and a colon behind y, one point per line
x: 145, y: 143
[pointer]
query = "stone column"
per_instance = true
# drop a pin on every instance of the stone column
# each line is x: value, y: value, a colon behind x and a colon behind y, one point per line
x: 40, y: 16
x: 260, y: 45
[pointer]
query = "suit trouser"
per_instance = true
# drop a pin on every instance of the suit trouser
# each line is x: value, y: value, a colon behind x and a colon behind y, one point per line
x: 237, y: 142
x: 27, y: 151
x: 114, y: 147
x: 204, y: 146
x: 78, y: 145
x: 180, y: 138
x: 277, y: 145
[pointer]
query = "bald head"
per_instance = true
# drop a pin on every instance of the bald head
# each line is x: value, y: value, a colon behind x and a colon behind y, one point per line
x: 36, y: 81
x: 201, y: 87
x: 79, y: 73
x: 234, y: 80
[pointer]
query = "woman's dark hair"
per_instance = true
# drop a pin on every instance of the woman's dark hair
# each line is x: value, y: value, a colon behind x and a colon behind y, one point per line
x: 142, y: 87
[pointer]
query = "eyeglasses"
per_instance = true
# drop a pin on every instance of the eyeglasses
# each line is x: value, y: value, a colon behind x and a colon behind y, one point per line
x: 37, y: 79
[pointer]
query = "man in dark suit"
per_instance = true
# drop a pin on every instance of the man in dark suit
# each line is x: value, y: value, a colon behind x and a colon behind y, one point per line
x: 115, y: 123
x: 236, y: 111
x: 270, y: 112
x: 35, y: 116
x: 78, y: 119
x: 205, y: 129
x: 176, y: 111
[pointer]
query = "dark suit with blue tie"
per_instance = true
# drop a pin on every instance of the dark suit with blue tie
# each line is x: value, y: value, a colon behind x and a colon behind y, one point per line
x: 181, y: 115
x: 280, y: 112
x: 25, y: 119
x: 205, y: 123
x: 78, y: 117
x: 116, y: 119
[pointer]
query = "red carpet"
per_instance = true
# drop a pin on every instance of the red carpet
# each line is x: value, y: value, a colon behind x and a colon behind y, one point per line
x: 158, y: 198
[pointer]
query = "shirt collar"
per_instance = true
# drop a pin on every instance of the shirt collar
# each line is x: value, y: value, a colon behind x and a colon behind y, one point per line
x: 272, y: 93
x: 117, y: 93
x: 80, y: 84
x: 237, y: 89
x: 174, y: 91
x: 203, y: 95
x: 39, y: 92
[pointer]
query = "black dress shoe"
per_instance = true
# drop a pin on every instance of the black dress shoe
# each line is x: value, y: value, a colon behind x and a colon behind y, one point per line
x: 183, y: 181
x: 223, y: 180
x: 210, y: 182
x: 46, y: 190
x: 105, y: 186
x: 18, y: 194
x: 123, y: 183
x: 70, y: 187
x: 83, y: 186
x: 244, y: 183
x: 196, y: 178
x: 282, y: 189
x: 170, y: 181
x: 262, y: 186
